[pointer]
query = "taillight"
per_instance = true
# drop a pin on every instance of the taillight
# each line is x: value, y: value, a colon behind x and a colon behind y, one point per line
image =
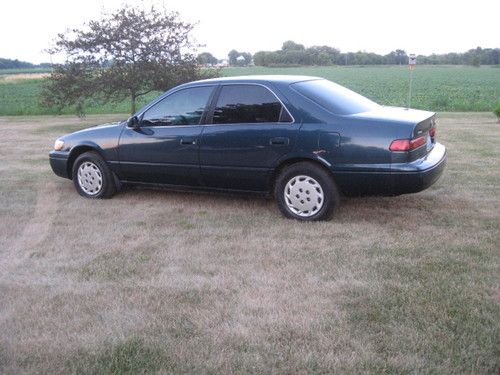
x: 407, y: 144
x: 400, y: 145
x: 432, y: 132
x: 417, y: 142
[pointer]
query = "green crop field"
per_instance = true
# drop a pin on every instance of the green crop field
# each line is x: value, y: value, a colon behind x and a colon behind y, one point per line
x: 436, y: 88
x: 21, y: 97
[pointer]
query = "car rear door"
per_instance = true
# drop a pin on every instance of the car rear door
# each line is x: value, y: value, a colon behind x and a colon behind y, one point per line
x: 164, y: 149
x: 249, y: 130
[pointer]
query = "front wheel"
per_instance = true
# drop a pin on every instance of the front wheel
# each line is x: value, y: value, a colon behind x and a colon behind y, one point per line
x: 92, y: 176
x: 305, y: 191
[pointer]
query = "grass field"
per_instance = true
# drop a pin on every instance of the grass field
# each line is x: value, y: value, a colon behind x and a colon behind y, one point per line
x: 436, y: 88
x: 160, y: 282
x: 21, y: 97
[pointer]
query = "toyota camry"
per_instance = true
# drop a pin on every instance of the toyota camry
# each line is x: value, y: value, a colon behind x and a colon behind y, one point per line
x: 304, y: 140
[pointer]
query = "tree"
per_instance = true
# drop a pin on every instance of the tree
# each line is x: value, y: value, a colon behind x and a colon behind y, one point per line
x: 474, y: 56
x: 124, y: 54
x: 239, y: 58
x: 398, y: 56
x: 261, y: 58
x: 69, y: 84
x: 247, y: 58
x: 290, y: 45
x: 401, y: 56
x: 326, y: 55
x: 232, y: 56
x: 206, y: 58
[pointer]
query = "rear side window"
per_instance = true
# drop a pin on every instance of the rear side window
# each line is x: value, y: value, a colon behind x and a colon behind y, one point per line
x: 248, y: 104
x: 335, y: 98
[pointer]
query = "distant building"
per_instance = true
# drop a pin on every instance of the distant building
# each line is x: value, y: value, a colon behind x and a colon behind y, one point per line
x: 223, y: 63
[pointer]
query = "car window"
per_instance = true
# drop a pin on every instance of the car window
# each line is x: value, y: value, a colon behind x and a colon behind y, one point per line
x: 184, y: 107
x: 333, y: 97
x: 248, y: 104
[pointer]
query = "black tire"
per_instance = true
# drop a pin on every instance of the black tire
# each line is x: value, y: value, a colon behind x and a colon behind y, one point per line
x: 107, y: 183
x: 327, y: 196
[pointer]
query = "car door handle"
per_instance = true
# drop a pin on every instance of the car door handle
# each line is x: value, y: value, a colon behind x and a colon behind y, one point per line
x: 279, y: 141
x: 188, y: 141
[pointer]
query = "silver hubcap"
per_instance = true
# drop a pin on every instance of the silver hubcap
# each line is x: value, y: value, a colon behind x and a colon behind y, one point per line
x: 304, y: 196
x: 90, y: 178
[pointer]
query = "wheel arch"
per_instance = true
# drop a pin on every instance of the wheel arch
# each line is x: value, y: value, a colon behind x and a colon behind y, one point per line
x: 297, y: 159
x: 77, y: 151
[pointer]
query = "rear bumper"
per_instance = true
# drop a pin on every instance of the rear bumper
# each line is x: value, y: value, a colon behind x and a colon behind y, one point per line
x: 420, y: 174
x: 395, y: 178
x: 59, y: 163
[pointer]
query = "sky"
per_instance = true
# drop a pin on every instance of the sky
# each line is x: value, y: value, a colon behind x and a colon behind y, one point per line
x: 28, y: 27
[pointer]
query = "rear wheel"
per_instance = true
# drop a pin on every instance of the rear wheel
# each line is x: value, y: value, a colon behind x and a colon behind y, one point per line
x: 92, y: 176
x: 305, y: 191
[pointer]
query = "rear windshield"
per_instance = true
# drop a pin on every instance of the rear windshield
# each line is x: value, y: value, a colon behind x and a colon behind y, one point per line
x: 335, y: 98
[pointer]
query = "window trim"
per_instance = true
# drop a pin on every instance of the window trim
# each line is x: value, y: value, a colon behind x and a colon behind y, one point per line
x: 210, y: 115
x: 204, y: 116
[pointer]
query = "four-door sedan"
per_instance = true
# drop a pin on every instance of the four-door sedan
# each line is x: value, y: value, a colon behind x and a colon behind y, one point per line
x: 303, y: 139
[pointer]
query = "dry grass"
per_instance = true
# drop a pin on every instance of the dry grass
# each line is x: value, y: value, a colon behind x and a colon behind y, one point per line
x: 23, y: 76
x: 155, y: 281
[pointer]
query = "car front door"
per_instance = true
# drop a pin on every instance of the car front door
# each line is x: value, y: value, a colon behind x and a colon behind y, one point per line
x: 250, y: 130
x: 164, y: 148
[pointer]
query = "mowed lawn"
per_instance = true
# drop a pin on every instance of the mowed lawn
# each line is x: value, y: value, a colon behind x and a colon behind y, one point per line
x: 163, y: 282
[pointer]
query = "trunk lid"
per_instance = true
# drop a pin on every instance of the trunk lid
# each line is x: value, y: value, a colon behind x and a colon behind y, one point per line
x: 410, y: 124
x: 421, y: 120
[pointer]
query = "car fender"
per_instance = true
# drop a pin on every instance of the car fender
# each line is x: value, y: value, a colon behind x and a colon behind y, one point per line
x: 86, y: 145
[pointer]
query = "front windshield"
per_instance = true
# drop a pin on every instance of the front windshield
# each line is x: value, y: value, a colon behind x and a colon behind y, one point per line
x: 335, y: 98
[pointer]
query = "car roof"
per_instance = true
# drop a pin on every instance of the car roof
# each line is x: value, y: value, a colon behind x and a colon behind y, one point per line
x: 286, y: 79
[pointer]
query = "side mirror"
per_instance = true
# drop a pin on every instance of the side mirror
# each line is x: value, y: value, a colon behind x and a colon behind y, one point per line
x: 133, y: 122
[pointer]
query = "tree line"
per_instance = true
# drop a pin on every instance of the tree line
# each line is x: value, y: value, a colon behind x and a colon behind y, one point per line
x: 295, y: 54
x: 17, y: 64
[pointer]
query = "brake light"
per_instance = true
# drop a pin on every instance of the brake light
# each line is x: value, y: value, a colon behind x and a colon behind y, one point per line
x: 407, y: 144
x: 417, y: 142
x: 432, y: 132
x: 400, y: 145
